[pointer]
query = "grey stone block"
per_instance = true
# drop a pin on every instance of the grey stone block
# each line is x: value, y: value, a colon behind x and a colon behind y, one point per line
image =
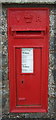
x: 19, y: 1
x: 10, y: 1
x: 39, y: 1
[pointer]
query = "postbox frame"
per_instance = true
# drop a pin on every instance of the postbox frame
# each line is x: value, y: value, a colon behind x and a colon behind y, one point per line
x: 13, y: 106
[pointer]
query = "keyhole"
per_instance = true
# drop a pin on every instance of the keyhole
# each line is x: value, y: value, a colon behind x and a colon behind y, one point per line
x: 22, y: 81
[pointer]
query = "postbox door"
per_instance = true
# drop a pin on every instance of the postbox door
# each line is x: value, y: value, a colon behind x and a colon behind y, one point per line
x: 28, y: 76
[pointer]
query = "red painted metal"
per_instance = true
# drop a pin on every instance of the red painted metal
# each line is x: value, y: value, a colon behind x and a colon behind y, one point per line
x: 28, y: 28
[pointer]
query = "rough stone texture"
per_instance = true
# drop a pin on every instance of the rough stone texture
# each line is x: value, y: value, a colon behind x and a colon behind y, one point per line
x: 10, y: 1
x: 0, y: 62
x: 52, y: 71
x: 40, y: 1
x: 27, y: 1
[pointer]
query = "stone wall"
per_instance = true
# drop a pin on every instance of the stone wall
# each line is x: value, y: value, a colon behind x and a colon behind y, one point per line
x: 0, y: 61
x: 28, y: 1
x: 52, y: 66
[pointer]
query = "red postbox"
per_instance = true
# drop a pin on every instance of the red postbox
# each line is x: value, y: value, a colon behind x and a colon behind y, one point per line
x: 28, y: 44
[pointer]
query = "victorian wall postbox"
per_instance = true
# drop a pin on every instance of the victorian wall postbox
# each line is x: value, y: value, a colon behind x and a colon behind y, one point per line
x: 28, y: 34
